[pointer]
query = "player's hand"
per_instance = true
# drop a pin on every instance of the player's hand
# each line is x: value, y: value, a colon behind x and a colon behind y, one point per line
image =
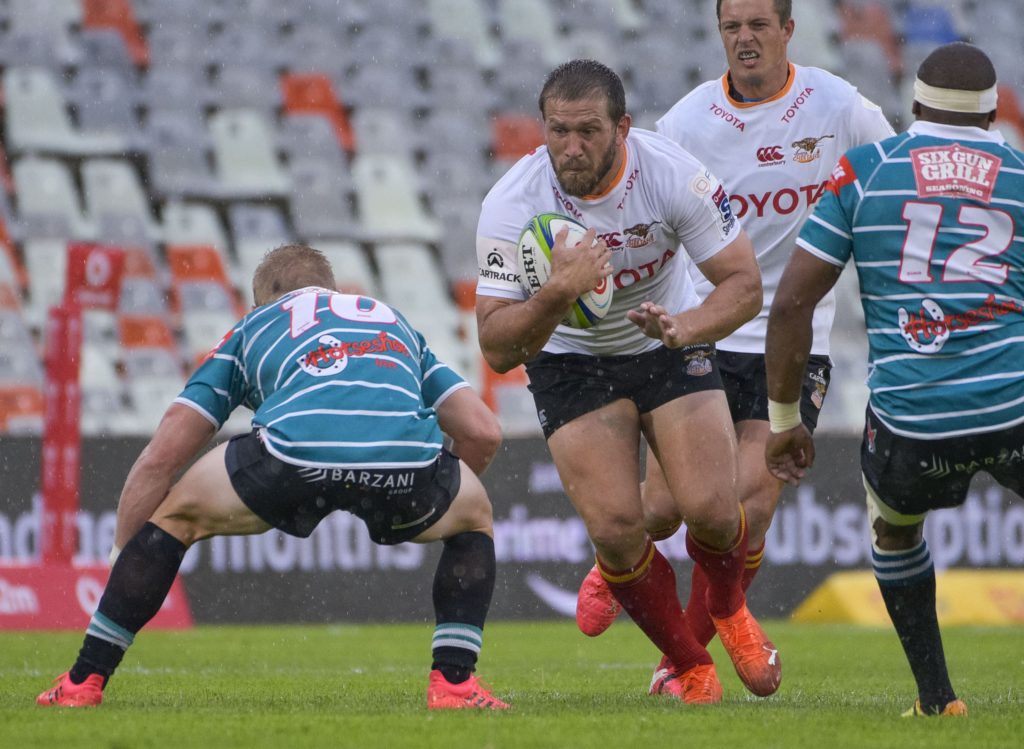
x: 789, y: 454
x: 655, y: 321
x: 582, y: 267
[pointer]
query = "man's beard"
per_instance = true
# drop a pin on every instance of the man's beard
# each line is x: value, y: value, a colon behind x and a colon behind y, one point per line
x: 582, y: 183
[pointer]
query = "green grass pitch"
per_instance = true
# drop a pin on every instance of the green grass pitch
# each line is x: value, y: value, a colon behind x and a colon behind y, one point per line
x: 364, y: 686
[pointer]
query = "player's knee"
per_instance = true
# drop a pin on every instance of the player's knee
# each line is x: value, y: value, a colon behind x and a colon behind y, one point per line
x: 891, y: 530
x: 714, y: 519
x: 614, y: 534
x: 662, y: 525
x: 183, y: 527
x: 182, y: 515
x: 474, y: 512
x: 888, y: 537
x: 660, y: 509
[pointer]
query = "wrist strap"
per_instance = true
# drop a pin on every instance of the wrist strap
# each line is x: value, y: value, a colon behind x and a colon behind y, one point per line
x: 783, y: 416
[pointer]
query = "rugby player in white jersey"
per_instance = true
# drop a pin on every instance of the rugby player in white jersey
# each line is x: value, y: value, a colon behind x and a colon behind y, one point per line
x: 348, y: 406
x: 648, y: 368
x: 771, y: 130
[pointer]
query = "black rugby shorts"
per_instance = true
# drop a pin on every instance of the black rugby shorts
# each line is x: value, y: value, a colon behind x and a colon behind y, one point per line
x: 913, y: 476
x: 396, y: 504
x: 567, y: 386
x: 746, y: 386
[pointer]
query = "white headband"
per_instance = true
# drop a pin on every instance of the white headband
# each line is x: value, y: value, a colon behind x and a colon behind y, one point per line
x: 954, y: 99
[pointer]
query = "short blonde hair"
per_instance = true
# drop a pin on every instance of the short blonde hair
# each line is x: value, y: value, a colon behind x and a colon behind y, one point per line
x: 290, y: 267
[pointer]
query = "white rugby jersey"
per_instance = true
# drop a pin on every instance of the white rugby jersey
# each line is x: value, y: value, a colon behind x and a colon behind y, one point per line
x: 774, y: 156
x: 661, y: 197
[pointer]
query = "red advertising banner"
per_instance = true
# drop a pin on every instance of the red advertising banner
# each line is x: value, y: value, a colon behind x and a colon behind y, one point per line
x: 55, y: 596
x: 94, y: 276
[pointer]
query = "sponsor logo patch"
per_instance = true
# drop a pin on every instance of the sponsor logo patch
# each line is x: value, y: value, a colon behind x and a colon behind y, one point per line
x: 697, y: 364
x: 927, y: 330
x: 955, y: 171
x: 807, y: 149
x: 770, y: 156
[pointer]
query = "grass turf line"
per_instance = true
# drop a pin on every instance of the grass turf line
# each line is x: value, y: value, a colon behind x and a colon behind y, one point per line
x: 364, y: 686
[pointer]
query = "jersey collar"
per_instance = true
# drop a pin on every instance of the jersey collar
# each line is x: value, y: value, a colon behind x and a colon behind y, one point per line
x: 748, y: 104
x: 955, y: 132
x: 615, y: 181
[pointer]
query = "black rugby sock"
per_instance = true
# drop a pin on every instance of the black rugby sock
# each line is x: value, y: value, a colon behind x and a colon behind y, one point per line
x: 463, y: 586
x: 907, y: 582
x: 139, y: 582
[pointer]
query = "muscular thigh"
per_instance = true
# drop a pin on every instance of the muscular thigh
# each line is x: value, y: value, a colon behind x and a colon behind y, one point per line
x: 693, y: 440
x: 598, y: 459
x: 204, y: 503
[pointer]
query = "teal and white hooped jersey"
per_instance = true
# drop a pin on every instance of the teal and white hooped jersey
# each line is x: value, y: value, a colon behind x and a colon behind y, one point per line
x: 934, y: 221
x: 334, y: 380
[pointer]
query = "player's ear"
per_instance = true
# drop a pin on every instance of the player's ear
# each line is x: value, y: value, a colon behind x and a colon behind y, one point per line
x: 622, y: 128
x: 787, y: 29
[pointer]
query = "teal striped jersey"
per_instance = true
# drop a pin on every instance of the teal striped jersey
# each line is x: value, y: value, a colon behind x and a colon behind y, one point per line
x: 933, y: 219
x: 334, y: 380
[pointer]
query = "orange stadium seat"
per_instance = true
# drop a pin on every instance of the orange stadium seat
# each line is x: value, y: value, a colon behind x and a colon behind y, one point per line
x: 117, y: 15
x: 1008, y: 112
x: 871, y: 20
x: 144, y: 331
x: 515, y: 135
x: 138, y: 263
x: 464, y: 291
x: 195, y: 263
x: 9, y: 296
x: 312, y: 93
x: 21, y: 409
x: 492, y: 383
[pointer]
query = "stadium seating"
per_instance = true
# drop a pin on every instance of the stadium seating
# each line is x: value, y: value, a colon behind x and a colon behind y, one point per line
x: 177, y: 157
x: 389, y: 202
x: 466, y: 20
x: 320, y: 204
x: 116, y: 16
x: 38, y: 120
x: 533, y: 23
x: 312, y: 94
x: 352, y: 269
x: 245, y: 155
x: 370, y: 129
x: 47, y: 197
x: 112, y: 188
x: 104, y: 105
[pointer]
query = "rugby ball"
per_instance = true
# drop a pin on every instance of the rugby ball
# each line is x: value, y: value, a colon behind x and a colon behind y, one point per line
x: 534, y: 255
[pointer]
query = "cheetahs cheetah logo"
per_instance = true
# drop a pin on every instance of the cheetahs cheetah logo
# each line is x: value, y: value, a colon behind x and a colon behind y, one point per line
x: 640, y: 230
x: 807, y: 148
